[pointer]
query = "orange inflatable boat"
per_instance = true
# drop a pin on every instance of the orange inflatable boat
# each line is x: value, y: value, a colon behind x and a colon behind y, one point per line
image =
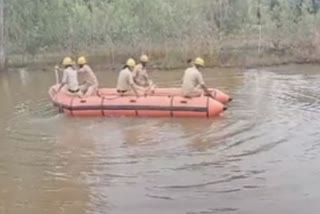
x: 217, y: 94
x: 131, y: 106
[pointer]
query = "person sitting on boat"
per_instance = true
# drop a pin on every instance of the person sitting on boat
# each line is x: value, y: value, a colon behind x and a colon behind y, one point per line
x: 89, y: 81
x: 70, y: 78
x: 193, y: 84
x: 140, y: 74
x: 125, y: 84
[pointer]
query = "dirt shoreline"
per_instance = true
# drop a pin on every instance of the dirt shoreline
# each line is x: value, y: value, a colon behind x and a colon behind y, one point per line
x: 226, y: 59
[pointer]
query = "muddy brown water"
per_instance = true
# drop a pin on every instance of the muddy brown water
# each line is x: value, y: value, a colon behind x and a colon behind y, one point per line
x: 261, y: 156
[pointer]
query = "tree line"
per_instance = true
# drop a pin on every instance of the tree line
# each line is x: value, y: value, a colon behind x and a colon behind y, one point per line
x: 163, y: 27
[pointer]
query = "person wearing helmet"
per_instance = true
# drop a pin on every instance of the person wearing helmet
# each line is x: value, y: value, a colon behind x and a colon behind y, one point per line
x: 140, y: 75
x: 88, y: 80
x: 125, y: 82
x: 193, y: 84
x: 70, y: 78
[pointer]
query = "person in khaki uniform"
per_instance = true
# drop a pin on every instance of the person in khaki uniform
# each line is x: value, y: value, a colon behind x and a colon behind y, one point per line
x: 193, y: 84
x: 140, y: 75
x: 70, y: 84
x: 125, y: 84
x: 89, y: 81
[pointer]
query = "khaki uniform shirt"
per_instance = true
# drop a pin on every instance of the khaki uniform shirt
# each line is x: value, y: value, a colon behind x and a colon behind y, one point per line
x: 140, y: 75
x: 192, y: 80
x: 70, y: 78
x: 87, y: 76
x: 125, y: 80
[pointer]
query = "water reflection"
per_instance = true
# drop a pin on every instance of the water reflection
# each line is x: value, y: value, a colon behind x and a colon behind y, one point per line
x: 24, y: 76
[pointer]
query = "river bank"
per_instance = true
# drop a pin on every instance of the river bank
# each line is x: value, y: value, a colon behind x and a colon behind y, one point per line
x: 236, y: 33
x: 171, y: 57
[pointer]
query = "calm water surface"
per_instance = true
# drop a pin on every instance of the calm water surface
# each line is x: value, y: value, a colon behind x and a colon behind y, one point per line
x: 261, y: 156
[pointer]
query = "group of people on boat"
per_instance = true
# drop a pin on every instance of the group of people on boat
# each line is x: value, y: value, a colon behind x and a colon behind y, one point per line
x: 80, y: 80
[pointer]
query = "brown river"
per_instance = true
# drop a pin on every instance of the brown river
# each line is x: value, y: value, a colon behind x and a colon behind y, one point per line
x: 262, y: 156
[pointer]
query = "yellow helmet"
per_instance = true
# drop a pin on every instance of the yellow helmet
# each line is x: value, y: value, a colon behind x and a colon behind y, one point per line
x: 199, y: 61
x: 67, y: 61
x: 144, y: 58
x: 82, y: 60
x: 131, y: 62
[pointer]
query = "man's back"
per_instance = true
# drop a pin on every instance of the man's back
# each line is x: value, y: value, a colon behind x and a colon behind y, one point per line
x: 125, y: 79
x: 70, y: 77
x: 88, y: 76
x: 191, y: 80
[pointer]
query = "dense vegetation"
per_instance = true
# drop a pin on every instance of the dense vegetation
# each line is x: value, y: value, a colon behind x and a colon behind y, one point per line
x: 168, y: 29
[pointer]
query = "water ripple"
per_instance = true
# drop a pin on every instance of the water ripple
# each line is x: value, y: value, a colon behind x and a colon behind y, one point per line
x: 263, y: 151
